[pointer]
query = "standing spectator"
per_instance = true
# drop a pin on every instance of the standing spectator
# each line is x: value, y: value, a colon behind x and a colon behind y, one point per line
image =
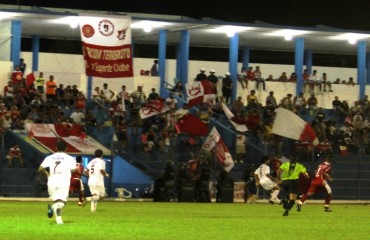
x: 17, y: 78
x: 106, y: 94
x: 123, y: 94
x: 201, y: 76
x: 287, y: 102
x: 40, y: 82
x: 289, y: 173
x: 320, y: 182
x: 240, y: 151
x: 15, y: 153
x: 213, y: 79
x: 325, y: 82
x: 22, y: 66
x: 227, y: 86
x: 258, y: 77
x: 293, y: 77
x: 8, y: 93
x: 60, y: 165
x: 265, y: 180
x: 155, y: 68
x: 51, y: 88
x: 76, y: 185
x: 96, y: 173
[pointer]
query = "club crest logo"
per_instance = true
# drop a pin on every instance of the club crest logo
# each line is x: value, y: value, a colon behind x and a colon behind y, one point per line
x: 106, y: 27
x: 121, y: 34
x: 88, y: 31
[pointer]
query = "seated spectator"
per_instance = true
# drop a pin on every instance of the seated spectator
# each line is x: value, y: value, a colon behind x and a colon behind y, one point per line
x: 337, y: 81
x: 271, y: 101
x: 15, y: 154
x: 178, y: 89
x: 238, y: 106
x: 242, y: 78
x: 146, y: 141
x: 78, y: 117
x: 270, y: 78
x: 204, y: 113
x: 325, y: 82
x: 312, y: 104
x: 258, y: 78
x: 324, y: 148
x: 283, y: 77
x: 292, y: 78
x: 299, y: 102
x: 217, y: 108
x: 336, y: 103
x: 351, y: 82
x: 252, y: 101
x: 287, y: 102
x: 171, y: 102
x: 153, y: 95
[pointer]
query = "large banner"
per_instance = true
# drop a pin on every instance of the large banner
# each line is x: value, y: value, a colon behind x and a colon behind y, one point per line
x: 106, y: 45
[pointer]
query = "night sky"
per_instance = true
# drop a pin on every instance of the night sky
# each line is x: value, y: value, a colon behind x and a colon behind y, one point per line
x: 345, y: 14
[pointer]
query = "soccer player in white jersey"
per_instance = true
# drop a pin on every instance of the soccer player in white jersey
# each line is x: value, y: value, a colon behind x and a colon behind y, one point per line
x: 60, y: 165
x: 96, y: 173
x: 264, y: 178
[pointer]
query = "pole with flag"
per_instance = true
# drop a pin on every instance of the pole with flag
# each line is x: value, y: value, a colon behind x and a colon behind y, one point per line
x: 215, y: 144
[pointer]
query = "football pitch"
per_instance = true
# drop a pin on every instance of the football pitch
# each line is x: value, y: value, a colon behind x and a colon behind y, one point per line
x: 176, y: 221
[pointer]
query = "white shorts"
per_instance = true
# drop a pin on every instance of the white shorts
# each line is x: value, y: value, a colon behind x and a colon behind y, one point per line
x: 268, y: 184
x: 97, y: 190
x: 58, y: 192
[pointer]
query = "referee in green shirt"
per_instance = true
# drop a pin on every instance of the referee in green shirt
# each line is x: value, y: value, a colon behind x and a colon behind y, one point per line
x: 289, y: 173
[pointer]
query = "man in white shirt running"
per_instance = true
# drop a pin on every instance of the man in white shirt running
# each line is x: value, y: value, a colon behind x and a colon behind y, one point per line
x: 96, y: 173
x: 60, y: 165
x: 264, y: 178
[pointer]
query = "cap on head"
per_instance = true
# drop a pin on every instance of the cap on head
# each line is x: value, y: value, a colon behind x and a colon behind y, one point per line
x: 227, y: 74
x: 212, y: 71
x: 202, y: 69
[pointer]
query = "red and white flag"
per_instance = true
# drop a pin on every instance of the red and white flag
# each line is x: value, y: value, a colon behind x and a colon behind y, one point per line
x: 290, y: 125
x: 106, y: 45
x: 191, y: 125
x: 238, y: 126
x: 30, y: 78
x: 216, y: 145
x: 199, y: 92
x: 153, y: 107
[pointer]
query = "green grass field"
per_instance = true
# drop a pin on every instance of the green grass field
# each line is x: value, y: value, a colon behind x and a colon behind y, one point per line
x: 150, y: 220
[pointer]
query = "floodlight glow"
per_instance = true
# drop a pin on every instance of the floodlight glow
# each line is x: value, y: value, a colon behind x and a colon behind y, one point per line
x: 148, y: 26
x: 229, y: 30
x: 288, y: 37
x: 352, y: 38
x: 6, y: 15
x: 288, y: 34
x: 72, y: 21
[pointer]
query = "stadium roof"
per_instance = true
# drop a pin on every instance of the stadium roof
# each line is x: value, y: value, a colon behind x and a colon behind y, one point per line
x: 54, y: 23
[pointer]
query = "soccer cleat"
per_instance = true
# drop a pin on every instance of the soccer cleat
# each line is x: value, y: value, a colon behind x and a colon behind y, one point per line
x: 50, y: 211
x: 327, y: 209
x: 286, y: 213
x: 299, y: 207
x: 59, y: 220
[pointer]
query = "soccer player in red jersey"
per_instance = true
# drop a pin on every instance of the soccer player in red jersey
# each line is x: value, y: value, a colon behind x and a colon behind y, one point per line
x: 76, y: 182
x: 320, y: 182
